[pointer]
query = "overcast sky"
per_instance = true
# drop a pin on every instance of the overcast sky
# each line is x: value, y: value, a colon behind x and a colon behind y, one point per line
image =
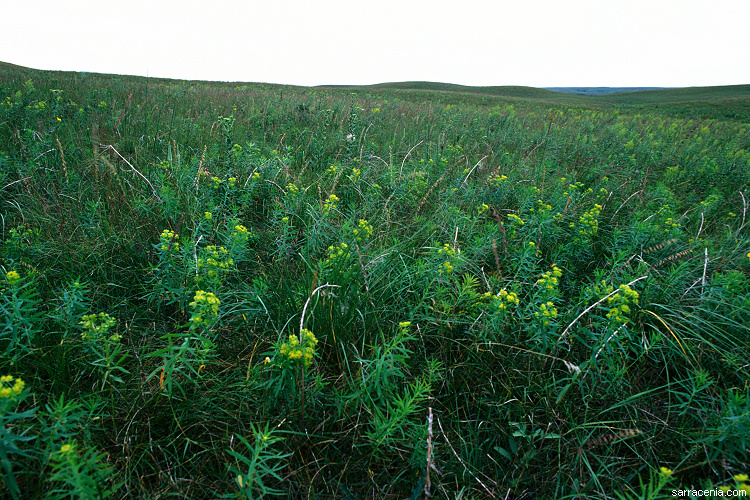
x: 540, y: 43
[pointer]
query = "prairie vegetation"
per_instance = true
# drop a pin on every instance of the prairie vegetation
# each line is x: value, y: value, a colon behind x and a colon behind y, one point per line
x: 245, y: 290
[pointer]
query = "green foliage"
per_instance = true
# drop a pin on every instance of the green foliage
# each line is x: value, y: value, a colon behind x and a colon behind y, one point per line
x: 561, y: 282
x: 77, y: 474
x: 259, y: 467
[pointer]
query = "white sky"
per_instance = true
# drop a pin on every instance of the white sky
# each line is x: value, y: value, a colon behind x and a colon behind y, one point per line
x: 541, y: 43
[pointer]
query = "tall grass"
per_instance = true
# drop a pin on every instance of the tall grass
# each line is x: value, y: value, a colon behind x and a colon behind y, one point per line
x: 239, y: 291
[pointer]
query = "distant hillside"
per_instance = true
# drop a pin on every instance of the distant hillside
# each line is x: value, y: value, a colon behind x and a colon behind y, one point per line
x: 718, y: 102
x: 496, y: 91
x: 599, y: 90
x: 686, y: 94
x: 615, y: 95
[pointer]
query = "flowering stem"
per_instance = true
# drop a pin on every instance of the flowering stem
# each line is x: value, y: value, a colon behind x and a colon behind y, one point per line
x: 562, y: 335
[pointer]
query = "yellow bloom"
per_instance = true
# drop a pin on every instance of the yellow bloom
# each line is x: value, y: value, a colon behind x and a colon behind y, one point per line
x: 13, y: 278
x: 7, y: 391
x: 741, y: 478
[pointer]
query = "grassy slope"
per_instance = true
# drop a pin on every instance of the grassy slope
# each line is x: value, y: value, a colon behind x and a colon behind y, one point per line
x: 468, y: 191
x: 721, y: 102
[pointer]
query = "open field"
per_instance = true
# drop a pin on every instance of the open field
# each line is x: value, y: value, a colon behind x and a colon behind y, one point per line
x: 393, y: 291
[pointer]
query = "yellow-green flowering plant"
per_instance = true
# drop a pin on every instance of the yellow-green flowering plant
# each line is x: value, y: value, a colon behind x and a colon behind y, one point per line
x: 299, y: 350
x: 170, y: 275
x: 20, y: 316
x: 259, y: 466
x: 80, y: 473
x: 204, y: 314
x: 11, y: 387
x: 362, y: 232
x: 105, y: 350
x: 13, y: 278
x: 652, y: 489
x: 294, y: 357
x: 544, y: 312
x: 237, y: 238
x: 189, y: 350
x: 621, y: 303
x: 448, y: 257
x: 14, y: 430
x: 330, y: 204
x: 588, y: 225
x: 213, y: 263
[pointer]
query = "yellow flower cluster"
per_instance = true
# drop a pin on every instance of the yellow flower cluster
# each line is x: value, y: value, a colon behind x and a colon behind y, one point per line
x: 341, y: 251
x: 21, y: 232
x: 503, y: 299
x: 741, y: 484
x: 543, y: 207
x: 550, y: 279
x: 300, y: 350
x: 589, y: 222
x: 572, y: 188
x: 450, y: 254
x: 215, y: 260
x: 232, y: 181
x: 333, y: 170
x: 355, y: 174
x: 330, y: 203
x: 292, y: 190
x: 97, y: 325
x: 363, y: 231
x: 256, y: 176
x: 620, y: 303
x: 509, y: 297
x: 482, y: 208
x: 208, y: 215
x: 13, y: 278
x: 9, y: 387
x: 205, y: 306
x: 546, y: 311
x: 498, y: 179
x: 168, y: 238
x: 216, y: 182
x: 516, y: 219
x: 240, y: 234
x: 670, y: 224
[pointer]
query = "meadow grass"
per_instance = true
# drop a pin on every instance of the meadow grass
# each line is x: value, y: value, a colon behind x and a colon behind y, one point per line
x: 243, y: 290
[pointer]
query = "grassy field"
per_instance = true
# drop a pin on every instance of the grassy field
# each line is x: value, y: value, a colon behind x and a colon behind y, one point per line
x: 234, y: 290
